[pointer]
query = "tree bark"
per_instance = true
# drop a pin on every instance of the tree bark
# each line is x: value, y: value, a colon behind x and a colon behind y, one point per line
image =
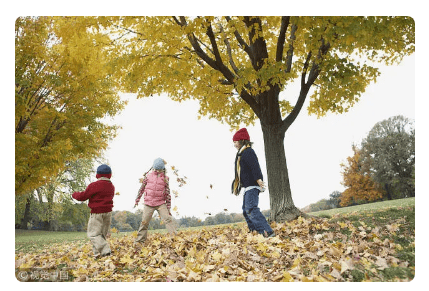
x: 388, y: 189
x: 281, y: 203
x: 26, y: 218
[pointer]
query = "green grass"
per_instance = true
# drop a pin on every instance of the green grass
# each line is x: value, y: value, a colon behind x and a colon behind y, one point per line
x: 367, y: 207
x: 30, y: 240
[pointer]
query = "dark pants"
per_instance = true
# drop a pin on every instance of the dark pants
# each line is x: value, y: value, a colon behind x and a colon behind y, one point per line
x: 254, y: 218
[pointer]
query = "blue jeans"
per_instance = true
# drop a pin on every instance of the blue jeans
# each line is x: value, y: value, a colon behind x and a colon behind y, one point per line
x: 254, y: 218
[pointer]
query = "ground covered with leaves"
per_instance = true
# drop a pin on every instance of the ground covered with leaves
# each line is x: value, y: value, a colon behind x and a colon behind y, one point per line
x: 359, y: 246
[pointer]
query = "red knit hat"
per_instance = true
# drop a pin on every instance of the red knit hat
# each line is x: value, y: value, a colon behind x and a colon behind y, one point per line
x: 242, y: 134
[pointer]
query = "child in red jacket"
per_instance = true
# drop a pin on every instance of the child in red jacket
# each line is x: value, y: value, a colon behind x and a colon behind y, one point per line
x: 100, y: 195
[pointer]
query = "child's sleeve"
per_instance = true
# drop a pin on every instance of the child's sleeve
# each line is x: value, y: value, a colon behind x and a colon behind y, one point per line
x: 84, y: 195
x: 167, y: 194
x: 141, y: 190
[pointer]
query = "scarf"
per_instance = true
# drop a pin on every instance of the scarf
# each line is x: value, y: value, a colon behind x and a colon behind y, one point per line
x: 236, y: 184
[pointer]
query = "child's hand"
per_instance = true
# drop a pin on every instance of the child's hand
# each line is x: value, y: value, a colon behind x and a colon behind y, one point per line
x: 261, y: 184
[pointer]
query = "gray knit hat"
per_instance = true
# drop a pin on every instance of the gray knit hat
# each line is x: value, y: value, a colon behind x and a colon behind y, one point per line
x: 158, y: 164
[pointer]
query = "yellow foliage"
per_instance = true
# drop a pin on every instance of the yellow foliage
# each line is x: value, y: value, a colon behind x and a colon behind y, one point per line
x: 359, y: 185
x: 230, y: 64
x: 62, y: 91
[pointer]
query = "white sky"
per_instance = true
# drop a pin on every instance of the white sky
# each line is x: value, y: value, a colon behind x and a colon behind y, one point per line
x: 203, y: 150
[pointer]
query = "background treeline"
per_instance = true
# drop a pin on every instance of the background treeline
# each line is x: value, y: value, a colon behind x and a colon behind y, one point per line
x: 75, y: 218
x: 381, y: 168
x: 129, y: 221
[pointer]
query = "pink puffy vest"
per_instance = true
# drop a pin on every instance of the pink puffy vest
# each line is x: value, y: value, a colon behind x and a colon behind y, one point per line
x: 155, y: 189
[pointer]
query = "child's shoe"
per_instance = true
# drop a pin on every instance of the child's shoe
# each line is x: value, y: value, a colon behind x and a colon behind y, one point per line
x: 269, y: 234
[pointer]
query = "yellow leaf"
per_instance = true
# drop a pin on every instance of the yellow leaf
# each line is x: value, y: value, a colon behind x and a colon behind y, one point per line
x: 275, y: 254
x: 216, y: 256
x: 80, y: 271
x: 287, y: 277
x: 126, y: 260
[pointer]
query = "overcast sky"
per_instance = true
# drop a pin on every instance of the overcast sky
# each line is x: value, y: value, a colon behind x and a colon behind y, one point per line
x: 202, y: 150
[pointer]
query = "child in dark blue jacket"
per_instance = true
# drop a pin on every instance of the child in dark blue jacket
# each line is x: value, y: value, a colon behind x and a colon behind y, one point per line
x: 248, y: 175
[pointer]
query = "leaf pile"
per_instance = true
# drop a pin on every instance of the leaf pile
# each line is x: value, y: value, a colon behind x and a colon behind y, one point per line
x: 338, y: 249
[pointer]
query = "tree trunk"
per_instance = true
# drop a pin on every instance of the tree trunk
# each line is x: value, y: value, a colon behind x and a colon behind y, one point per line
x: 281, y: 203
x: 388, y: 189
x: 26, y: 217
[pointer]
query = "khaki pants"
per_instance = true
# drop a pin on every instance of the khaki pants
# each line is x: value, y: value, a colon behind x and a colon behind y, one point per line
x: 98, y: 228
x: 146, y: 217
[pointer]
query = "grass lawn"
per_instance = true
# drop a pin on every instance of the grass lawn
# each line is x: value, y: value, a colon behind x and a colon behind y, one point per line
x: 377, y: 206
x: 30, y: 240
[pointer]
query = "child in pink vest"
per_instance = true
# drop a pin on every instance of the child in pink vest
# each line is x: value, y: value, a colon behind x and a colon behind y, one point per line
x: 156, y: 191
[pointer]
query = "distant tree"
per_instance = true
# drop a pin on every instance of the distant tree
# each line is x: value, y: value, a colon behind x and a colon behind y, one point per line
x: 237, y: 217
x: 156, y: 222
x: 390, y: 150
x: 47, y: 203
x: 133, y: 220
x: 320, y: 205
x: 74, y: 217
x: 209, y: 221
x: 360, y: 187
x: 121, y: 221
x: 222, y: 218
x: 334, y: 199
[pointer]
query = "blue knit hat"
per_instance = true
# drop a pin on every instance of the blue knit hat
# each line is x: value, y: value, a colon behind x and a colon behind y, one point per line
x: 158, y: 164
x: 104, y: 169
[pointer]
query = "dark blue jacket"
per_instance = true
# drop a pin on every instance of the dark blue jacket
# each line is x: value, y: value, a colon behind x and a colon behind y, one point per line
x: 250, y: 169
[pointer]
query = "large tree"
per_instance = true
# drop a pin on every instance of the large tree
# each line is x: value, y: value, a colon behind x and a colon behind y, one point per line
x: 63, y: 90
x: 390, y: 150
x: 238, y: 66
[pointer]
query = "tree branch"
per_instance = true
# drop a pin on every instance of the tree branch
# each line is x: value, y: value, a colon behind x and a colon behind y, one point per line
x: 240, y: 40
x: 258, y: 46
x: 228, y: 49
x: 218, y: 64
x: 305, y: 86
x: 291, y: 48
x: 215, y: 51
x: 282, y: 37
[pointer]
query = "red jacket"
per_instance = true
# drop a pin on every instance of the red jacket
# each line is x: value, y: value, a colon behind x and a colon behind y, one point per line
x: 100, y: 195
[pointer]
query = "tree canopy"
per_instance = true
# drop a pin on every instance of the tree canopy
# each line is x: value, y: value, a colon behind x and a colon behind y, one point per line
x: 360, y: 187
x: 63, y: 90
x: 390, y: 149
x: 230, y: 63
